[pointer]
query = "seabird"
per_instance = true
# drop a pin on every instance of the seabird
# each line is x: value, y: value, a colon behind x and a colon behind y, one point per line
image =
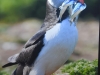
x: 53, y: 44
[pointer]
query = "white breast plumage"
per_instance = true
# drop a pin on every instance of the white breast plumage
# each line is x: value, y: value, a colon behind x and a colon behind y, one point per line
x: 59, y: 42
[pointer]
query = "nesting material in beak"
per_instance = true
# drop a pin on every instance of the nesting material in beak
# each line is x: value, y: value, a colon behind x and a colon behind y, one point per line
x: 75, y: 7
x: 64, y: 6
x: 79, y: 7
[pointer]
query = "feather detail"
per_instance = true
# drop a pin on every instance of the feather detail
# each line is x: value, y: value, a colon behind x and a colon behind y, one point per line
x: 8, y: 64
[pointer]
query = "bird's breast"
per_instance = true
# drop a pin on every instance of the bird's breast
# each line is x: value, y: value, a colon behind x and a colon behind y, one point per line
x: 59, y: 43
x: 62, y: 34
x: 61, y: 39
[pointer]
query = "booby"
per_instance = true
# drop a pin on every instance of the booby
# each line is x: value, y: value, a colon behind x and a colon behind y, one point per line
x: 53, y: 44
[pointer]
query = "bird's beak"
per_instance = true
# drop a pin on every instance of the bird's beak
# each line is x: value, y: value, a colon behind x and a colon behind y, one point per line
x: 75, y: 7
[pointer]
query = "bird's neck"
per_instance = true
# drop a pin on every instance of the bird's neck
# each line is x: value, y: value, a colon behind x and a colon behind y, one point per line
x: 51, y: 14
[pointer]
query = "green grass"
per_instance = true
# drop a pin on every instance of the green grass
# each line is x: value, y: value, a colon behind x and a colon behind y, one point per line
x: 7, y: 70
x: 81, y: 67
x: 2, y: 72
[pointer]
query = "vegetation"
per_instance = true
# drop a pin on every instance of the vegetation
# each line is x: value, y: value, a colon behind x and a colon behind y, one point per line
x: 20, y: 9
x: 3, y: 73
x: 16, y: 10
x: 81, y: 67
x: 7, y: 71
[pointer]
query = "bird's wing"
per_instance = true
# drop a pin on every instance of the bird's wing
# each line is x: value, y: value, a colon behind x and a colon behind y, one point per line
x: 29, y: 51
x: 35, y: 38
x: 29, y: 54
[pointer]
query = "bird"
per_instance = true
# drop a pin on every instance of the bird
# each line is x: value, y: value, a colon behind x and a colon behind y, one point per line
x: 48, y: 49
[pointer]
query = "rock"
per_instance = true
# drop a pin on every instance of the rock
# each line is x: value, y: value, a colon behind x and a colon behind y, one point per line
x: 9, y: 46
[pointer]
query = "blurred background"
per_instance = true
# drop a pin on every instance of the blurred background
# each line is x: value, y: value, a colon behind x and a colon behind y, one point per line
x: 21, y: 19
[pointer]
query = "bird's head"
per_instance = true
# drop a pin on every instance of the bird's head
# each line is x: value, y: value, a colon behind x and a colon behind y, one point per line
x: 71, y: 7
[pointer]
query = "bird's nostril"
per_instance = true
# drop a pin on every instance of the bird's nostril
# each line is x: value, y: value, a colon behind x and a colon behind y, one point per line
x: 81, y: 1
